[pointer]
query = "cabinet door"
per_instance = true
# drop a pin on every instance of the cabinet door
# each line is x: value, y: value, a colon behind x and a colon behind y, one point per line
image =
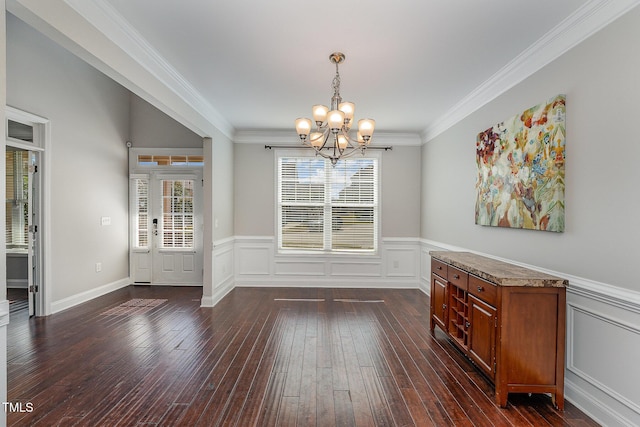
x: 438, y: 301
x: 482, y: 334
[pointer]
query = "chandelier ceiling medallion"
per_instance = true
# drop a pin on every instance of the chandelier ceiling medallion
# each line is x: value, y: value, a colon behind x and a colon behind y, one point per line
x: 334, y: 125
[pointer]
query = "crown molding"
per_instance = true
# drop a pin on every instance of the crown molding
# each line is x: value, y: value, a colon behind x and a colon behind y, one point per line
x: 280, y: 136
x: 101, y: 15
x: 586, y: 21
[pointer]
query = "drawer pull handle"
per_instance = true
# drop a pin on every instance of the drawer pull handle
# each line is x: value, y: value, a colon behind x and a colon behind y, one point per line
x: 455, y: 276
x: 444, y: 306
x: 467, y: 324
x: 439, y: 268
x: 480, y: 289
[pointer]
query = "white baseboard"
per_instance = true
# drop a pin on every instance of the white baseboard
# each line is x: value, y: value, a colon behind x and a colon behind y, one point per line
x: 328, y: 283
x: 18, y: 283
x: 4, y: 313
x: 63, y: 304
x: 219, y: 293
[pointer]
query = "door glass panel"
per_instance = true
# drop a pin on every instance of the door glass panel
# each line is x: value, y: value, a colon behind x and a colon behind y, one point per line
x: 17, y: 191
x: 177, y: 213
x: 141, y: 226
x: 20, y: 131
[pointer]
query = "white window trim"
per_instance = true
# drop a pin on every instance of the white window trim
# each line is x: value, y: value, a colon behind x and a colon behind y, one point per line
x: 133, y: 213
x: 375, y: 254
x: 37, y: 123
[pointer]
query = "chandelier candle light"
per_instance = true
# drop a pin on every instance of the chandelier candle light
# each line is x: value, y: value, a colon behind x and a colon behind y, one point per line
x: 333, y: 126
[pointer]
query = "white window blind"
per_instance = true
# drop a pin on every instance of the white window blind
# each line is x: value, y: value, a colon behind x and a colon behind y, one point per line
x: 327, y: 208
x: 17, y: 199
x: 141, y: 226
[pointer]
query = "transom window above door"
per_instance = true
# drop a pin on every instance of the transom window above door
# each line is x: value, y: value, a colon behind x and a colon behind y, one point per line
x: 170, y: 160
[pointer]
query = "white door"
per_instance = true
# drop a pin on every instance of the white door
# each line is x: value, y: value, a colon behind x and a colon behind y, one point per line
x: 23, y: 221
x: 167, y: 229
x: 33, y: 208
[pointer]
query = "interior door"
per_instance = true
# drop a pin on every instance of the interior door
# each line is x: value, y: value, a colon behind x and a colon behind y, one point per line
x: 176, y: 229
x: 33, y: 243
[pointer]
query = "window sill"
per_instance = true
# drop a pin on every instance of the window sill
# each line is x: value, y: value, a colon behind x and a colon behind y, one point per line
x: 327, y: 254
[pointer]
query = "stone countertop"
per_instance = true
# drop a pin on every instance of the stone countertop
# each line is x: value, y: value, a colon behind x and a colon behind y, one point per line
x: 498, y: 272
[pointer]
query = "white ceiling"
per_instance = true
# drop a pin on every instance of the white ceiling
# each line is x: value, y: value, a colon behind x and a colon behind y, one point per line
x: 410, y: 64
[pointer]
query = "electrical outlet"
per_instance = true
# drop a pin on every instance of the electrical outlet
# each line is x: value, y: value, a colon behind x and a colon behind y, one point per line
x: 105, y: 220
x: 98, y: 267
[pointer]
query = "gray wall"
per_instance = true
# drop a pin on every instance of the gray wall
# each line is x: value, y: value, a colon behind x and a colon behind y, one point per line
x: 400, y: 192
x: 223, y: 186
x: 254, y: 179
x: 151, y: 128
x: 89, y: 115
x: 17, y: 270
x: 255, y: 191
x: 601, y: 80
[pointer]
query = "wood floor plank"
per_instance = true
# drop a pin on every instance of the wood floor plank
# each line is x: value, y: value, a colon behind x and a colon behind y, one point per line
x: 288, y: 415
x: 272, y: 400
x: 261, y: 357
x: 357, y: 391
x: 255, y: 396
x: 245, y: 378
x: 296, y: 357
x: 325, y: 405
x: 308, y: 383
x: 344, y: 408
x: 377, y: 400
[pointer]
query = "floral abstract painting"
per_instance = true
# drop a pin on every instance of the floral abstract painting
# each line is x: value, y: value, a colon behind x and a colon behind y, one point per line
x: 521, y: 170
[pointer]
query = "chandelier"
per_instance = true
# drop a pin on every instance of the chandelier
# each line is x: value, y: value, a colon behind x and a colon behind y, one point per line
x: 334, y: 125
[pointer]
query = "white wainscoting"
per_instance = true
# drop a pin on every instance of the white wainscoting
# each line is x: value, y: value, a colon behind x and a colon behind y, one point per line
x: 603, y: 350
x: 602, y: 345
x: 257, y: 263
x: 222, y: 259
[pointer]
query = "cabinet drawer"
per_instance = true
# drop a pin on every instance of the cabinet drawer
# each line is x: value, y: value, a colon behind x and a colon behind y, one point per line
x: 482, y: 289
x: 458, y: 277
x: 439, y: 268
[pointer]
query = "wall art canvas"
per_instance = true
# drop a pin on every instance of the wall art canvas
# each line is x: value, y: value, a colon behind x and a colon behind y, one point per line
x: 520, y: 163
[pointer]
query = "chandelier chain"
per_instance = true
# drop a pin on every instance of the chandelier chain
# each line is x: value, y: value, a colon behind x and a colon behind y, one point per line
x: 336, y: 99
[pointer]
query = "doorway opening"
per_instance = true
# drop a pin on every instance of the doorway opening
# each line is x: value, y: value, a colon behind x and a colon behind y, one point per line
x: 25, y: 140
x: 166, y: 208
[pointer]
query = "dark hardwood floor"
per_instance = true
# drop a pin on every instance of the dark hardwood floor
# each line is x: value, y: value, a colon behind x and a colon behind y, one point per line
x: 18, y: 299
x: 319, y: 357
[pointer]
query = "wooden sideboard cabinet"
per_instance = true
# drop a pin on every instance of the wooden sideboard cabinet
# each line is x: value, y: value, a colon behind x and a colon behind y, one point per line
x: 508, y: 320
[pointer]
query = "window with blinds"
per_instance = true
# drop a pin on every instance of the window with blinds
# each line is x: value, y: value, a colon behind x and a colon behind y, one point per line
x: 17, y: 199
x: 327, y: 208
x: 141, y: 226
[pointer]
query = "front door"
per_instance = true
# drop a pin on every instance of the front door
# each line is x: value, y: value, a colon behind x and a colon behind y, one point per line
x: 167, y: 231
